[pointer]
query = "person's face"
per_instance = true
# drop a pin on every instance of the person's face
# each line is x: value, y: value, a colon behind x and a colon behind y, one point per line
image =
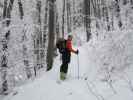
x: 70, y: 38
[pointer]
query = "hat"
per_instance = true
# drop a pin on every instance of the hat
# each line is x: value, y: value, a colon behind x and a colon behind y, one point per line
x: 70, y: 36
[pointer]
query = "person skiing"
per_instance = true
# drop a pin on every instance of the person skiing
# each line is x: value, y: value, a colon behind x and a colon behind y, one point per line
x: 66, y: 57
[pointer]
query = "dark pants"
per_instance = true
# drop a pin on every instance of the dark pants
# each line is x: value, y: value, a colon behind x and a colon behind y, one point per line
x: 65, y: 61
x: 64, y: 67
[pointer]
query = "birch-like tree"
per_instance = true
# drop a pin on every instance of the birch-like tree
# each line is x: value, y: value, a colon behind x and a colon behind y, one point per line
x: 8, y: 4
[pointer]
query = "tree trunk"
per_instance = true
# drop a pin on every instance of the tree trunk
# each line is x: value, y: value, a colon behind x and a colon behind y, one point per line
x: 51, y: 36
x: 87, y: 19
x: 63, y: 18
x: 21, y: 9
x: 4, y: 63
x: 118, y: 14
x: 68, y: 17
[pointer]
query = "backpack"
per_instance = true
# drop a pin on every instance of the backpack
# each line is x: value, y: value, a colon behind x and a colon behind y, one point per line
x: 61, y: 45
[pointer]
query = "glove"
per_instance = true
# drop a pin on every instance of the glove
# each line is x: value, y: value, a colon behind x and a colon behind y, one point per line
x: 77, y: 52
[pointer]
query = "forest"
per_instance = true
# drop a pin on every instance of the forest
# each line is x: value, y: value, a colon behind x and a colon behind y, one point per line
x: 29, y: 30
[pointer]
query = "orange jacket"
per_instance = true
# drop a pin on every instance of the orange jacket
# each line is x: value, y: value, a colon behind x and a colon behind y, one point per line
x: 69, y: 46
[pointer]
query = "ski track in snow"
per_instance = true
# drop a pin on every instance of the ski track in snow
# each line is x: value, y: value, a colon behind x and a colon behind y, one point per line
x: 47, y: 87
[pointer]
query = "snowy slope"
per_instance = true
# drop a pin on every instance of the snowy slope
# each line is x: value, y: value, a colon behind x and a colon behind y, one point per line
x: 106, y: 72
x: 47, y: 87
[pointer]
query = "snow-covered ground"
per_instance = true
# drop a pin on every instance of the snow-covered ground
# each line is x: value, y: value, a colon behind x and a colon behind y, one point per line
x: 105, y: 70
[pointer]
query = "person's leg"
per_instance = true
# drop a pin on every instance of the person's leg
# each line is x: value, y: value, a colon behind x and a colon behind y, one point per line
x: 66, y: 68
x: 63, y: 70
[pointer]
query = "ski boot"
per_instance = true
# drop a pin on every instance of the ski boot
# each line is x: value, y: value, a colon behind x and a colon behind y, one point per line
x: 62, y: 75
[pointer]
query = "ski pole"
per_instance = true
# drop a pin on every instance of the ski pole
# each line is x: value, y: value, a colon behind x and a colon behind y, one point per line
x: 78, y: 65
